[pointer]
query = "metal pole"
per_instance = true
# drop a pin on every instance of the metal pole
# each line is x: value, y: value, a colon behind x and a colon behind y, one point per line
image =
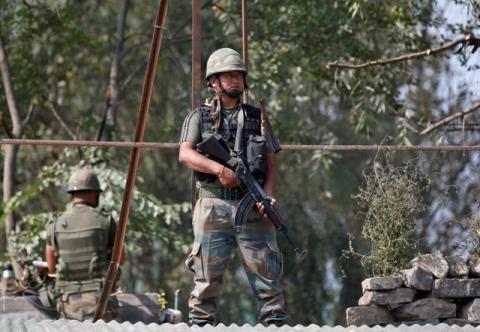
x: 285, y: 147
x: 134, y: 158
x: 97, y: 144
x: 245, y: 41
x: 196, y: 72
x: 196, y: 53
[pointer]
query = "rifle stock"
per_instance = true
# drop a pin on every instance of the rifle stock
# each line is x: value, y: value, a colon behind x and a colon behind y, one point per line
x: 214, y: 147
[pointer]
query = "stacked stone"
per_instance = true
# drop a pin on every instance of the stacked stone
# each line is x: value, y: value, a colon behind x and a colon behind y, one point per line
x: 435, y: 290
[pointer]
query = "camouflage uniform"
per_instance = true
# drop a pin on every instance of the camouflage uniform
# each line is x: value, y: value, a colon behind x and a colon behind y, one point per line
x: 82, y: 239
x: 215, y: 233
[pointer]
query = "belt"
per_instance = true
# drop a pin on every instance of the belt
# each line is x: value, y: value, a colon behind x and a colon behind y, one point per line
x: 232, y: 194
x: 79, y: 286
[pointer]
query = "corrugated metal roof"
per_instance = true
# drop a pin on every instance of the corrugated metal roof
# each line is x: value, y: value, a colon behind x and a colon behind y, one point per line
x: 12, y: 324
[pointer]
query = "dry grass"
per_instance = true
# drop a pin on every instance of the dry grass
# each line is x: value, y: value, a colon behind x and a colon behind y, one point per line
x: 392, y: 201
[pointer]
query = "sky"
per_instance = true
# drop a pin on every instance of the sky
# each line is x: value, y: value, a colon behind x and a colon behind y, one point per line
x: 459, y: 77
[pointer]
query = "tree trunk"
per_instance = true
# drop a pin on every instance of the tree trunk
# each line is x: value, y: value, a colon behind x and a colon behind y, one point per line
x: 110, y: 116
x: 10, y: 151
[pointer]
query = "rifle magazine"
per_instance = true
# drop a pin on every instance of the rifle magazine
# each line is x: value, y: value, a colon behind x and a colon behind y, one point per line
x: 244, y: 207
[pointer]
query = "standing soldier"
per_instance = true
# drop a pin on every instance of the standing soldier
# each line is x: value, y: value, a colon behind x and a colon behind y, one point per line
x: 220, y: 193
x: 79, y: 247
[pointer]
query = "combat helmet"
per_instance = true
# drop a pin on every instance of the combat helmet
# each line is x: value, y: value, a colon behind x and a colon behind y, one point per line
x: 225, y: 60
x: 83, y: 180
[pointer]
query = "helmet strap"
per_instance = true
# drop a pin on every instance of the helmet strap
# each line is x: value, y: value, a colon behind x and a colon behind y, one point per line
x: 216, y: 104
x: 232, y: 93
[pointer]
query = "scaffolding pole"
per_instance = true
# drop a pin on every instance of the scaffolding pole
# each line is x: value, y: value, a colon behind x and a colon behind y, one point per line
x: 286, y: 147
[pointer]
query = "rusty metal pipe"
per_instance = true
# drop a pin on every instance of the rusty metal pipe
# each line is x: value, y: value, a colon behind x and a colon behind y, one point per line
x: 286, y: 147
x: 196, y: 71
x: 134, y: 158
x: 97, y: 144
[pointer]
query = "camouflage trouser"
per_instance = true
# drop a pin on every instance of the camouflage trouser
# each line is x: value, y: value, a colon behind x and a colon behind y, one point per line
x: 215, y: 235
x: 79, y: 306
x: 82, y: 306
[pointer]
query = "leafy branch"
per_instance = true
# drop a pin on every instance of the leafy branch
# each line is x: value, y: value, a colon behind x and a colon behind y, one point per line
x: 465, y: 41
x: 150, y: 219
x: 450, y: 118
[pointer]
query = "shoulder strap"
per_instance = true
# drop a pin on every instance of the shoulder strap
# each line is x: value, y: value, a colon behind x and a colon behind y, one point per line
x: 240, y: 122
x: 53, y: 240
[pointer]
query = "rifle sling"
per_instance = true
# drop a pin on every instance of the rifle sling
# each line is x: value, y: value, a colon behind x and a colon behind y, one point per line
x: 238, y: 137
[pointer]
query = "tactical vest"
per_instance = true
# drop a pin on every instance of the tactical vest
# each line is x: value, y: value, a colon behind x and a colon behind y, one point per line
x: 251, y: 126
x: 80, y: 240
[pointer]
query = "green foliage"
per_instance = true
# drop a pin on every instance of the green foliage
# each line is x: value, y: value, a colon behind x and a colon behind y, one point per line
x: 46, y: 49
x: 347, y: 31
x: 392, y: 197
x: 59, y: 56
x: 28, y: 242
x: 149, y: 221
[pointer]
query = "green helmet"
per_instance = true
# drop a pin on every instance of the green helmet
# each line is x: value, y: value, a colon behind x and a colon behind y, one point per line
x: 225, y: 60
x: 83, y: 180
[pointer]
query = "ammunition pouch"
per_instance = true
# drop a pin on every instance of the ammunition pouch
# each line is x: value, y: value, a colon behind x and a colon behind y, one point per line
x: 72, y: 287
x: 257, y: 155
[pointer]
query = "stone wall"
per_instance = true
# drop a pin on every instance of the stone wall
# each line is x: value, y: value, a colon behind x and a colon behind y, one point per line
x: 436, y: 289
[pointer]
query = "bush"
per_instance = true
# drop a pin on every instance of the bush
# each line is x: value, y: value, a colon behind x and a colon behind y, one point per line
x: 392, y: 198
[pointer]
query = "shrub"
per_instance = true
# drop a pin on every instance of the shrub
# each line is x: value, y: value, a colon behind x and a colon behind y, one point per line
x: 392, y: 199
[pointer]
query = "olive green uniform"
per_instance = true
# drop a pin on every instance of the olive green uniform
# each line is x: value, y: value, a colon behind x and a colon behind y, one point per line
x: 215, y: 235
x: 82, y: 239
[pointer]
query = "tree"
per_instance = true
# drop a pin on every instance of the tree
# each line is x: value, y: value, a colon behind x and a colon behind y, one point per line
x: 62, y: 63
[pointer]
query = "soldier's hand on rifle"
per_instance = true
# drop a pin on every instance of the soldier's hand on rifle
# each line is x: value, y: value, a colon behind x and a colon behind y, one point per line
x: 261, y: 208
x: 228, y: 178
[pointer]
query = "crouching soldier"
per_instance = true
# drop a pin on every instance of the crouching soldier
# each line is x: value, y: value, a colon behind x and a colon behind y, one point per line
x: 79, y: 247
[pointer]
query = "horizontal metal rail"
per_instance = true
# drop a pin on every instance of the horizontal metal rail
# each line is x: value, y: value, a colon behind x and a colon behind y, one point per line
x: 99, y: 144
x: 287, y: 147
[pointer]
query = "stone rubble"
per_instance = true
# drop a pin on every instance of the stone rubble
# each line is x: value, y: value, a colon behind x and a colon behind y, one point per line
x: 394, y: 296
x: 456, y: 288
x: 418, y: 278
x: 429, y: 308
x: 436, y: 289
x: 474, y: 264
x: 369, y: 315
x: 433, y: 263
x: 471, y: 310
x: 457, y: 267
x: 381, y: 283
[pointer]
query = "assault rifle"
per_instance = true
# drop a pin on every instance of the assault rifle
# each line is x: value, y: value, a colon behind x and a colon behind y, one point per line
x: 215, y: 148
